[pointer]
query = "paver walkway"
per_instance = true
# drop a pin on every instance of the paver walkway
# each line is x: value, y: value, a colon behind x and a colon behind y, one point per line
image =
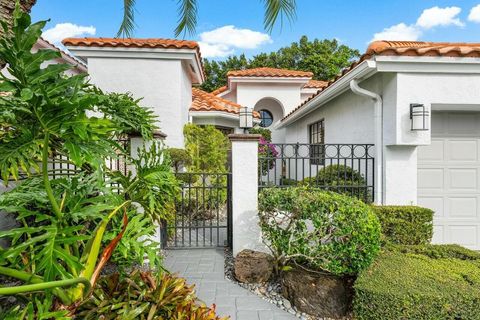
x: 205, y: 269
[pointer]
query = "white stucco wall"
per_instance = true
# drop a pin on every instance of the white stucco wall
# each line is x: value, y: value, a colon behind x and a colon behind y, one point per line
x: 348, y: 118
x: 288, y: 94
x: 162, y: 84
x: 276, y: 110
x: 442, y: 91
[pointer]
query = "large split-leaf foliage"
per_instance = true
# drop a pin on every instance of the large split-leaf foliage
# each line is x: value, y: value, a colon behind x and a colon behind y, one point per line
x: 70, y: 226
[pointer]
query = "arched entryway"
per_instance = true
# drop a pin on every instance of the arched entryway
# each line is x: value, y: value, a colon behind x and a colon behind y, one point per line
x: 271, y: 111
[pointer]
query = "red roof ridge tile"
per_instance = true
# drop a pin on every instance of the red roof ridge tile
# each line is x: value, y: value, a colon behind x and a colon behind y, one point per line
x: 219, y: 90
x: 316, y: 84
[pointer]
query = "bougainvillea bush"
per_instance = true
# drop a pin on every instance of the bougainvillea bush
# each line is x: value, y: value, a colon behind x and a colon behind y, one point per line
x: 267, y: 152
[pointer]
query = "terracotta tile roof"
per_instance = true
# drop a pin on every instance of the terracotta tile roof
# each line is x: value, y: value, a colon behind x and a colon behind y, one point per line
x: 220, y: 90
x: 404, y: 48
x: 131, y: 43
x: 419, y: 48
x: 136, y: 43
x: 316, y: 84
x: 269, y: 72
x: 204, y: 101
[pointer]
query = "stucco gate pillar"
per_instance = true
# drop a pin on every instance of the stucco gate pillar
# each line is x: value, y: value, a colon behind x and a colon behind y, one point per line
x: 246, y: 230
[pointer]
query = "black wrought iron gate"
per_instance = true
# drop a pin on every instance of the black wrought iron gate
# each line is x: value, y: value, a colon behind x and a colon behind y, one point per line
x: 203, y: 212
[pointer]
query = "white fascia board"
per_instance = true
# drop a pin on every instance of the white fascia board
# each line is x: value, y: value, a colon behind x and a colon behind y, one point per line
x: 268, y: 80
x: 84, y: 52
x: 362, y: 71
x: 217, y: 114
x: 402, y: 64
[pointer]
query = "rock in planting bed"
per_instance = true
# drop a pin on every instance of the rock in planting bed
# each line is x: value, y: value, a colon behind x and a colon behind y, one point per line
x: 270, y: 291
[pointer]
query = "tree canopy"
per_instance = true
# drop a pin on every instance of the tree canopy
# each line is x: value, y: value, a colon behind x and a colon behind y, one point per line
x: 325, y: 58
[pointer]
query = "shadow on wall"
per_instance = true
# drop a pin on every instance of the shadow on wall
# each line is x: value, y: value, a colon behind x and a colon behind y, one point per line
x: 274, y: 112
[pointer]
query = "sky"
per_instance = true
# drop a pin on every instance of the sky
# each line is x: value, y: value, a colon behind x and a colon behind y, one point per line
x: 226, y: 27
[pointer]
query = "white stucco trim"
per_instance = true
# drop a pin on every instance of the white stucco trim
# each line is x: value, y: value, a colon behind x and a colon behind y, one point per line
x: 219, y: 114
x: 364, y: 70
x: 299, y: 80
x: 428, y: 64
x: 84, y: 52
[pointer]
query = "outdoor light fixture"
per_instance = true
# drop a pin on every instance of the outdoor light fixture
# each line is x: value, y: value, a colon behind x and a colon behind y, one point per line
x: 419, y: 117
x: 246, y: 118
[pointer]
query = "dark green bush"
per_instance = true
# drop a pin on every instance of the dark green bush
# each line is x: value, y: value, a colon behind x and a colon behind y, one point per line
x: 408, y: 225
x: 341, y: 179
x: 180, y: 158
x: 265, y: 133
x: 317, y: 229
x: 420, y: 282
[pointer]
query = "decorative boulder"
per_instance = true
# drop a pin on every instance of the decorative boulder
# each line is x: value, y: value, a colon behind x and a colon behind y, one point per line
x: 253, y: 266
x: 321, y: 295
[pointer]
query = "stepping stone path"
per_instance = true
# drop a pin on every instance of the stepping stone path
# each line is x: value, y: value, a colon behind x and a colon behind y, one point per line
x: 205, y: 268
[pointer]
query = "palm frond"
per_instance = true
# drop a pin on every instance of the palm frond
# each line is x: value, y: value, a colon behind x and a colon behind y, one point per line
x: 187, y: 11
x: 276, y: 8
x: 128, y: 22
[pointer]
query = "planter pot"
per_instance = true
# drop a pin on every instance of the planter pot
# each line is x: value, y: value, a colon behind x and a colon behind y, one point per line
x: 321, y: 295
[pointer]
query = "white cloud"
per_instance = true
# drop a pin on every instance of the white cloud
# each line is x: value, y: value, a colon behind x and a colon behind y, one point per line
x: 214, y: 50
x: 223, y: 41
x: 474, y: 15
x: 398, y: 32
x: 430, y: 18
x: 65, y: 30
x: 436, y: 16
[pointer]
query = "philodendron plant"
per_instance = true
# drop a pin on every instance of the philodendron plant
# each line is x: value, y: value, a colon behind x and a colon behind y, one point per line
x: 60, y: 246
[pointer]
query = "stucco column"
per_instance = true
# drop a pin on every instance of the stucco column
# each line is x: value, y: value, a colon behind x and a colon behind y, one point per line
x: 246, y: 231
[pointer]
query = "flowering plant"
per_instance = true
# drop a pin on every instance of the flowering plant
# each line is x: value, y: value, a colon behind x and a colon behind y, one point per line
x: 267, y: 154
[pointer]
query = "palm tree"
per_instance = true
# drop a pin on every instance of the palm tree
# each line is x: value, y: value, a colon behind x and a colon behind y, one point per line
x: 188, y: 9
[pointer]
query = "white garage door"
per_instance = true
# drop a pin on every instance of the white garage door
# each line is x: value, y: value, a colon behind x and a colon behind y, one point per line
x: 449, y: 178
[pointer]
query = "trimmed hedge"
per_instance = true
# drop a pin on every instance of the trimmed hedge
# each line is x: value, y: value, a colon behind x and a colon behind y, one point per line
x: 420, y: 282
x: 408, y: 225
x: 319, y: 230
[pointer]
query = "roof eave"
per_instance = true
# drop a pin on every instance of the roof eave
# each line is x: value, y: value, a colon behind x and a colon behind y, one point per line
x: 216, y: 113
x: 85, y: 52
x: 362, y: 71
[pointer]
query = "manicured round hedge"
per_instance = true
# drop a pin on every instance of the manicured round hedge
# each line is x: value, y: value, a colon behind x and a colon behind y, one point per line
x: 320, y: 230
x: 420, y: 282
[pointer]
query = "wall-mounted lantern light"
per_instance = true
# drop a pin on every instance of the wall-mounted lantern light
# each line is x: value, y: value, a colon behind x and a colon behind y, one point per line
x: 419, y: 117
x: 246, y: 118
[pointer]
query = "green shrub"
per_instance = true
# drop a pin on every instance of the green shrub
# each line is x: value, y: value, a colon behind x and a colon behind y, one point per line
x: 265, y: 133
x: 207, y: 147
x: 405, y: 224
x: 319, y: 230
x: 180, y: 158
x: 341, y: 179
x: 433, y: 282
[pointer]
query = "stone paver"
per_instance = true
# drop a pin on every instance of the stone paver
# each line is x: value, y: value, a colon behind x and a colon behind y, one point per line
x: 205, y: 269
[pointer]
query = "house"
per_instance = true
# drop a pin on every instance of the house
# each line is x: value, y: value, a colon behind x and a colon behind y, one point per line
x: 374, y: 102
x: 416, y: 103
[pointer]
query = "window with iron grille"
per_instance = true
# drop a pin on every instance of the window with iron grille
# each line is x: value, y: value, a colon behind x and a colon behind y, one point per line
x: 317, y: 139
